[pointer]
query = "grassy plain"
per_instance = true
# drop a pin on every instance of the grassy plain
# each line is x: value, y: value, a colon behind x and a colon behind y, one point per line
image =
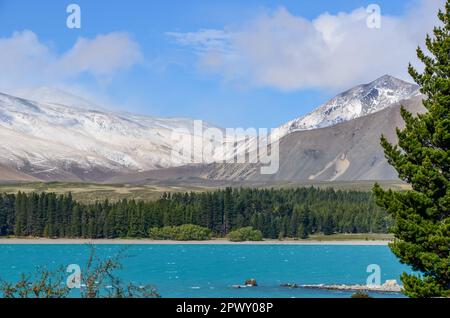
x: 89, y: 192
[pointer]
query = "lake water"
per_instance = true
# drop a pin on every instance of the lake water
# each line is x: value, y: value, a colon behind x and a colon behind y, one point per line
x: 211, y: 270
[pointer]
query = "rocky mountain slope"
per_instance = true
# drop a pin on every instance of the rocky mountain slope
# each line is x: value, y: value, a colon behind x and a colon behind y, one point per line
x: 357, y: 102
x: 51, y: 135
x: 52, y: 141
x: 347, y: 151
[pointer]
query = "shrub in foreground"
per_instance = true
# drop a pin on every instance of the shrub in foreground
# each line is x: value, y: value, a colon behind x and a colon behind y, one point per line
x: 97, y: 280
x: 245, y: 234
x: 186, y: 232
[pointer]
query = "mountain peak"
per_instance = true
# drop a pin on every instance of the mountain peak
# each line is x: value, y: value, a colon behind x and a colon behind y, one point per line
x: 356, y: 102
x: 391, y: 82
x: 388, y: 77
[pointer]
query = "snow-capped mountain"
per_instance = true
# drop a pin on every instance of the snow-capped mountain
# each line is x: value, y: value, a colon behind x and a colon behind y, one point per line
x: 51, y: 140
x: 359, y: 101
x: 53, y: 135
x: 346, y: 152
x: 52, y: 95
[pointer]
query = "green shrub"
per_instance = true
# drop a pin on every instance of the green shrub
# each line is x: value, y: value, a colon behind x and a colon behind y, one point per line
x: 186, y: 232
x: 245, y: 234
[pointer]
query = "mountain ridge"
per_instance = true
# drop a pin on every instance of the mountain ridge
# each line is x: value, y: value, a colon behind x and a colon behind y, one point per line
x: 349, y: 151
x: 361, y: 100
x: 62, y: 140
x: 50, y: 141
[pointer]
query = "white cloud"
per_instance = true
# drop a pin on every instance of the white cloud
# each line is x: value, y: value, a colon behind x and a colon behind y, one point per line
x: 333, y: 51
x: 25, y: 61
x: 102, y: 56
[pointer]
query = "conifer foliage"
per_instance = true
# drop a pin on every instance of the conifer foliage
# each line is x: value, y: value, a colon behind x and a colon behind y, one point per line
x: 294, y: 213
x: 422, y: 159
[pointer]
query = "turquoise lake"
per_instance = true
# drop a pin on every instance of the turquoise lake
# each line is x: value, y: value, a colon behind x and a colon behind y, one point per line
x: 211, y: 270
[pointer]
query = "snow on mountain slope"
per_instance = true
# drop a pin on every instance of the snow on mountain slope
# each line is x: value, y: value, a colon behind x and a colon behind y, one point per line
x: 53, y: 135
x: 49, y: 139
x: 347, y: 151
x: 51, y: 95
x: 359, y: 101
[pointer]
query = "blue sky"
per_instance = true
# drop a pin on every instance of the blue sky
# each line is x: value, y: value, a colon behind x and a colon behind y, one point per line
x: 180, y: 68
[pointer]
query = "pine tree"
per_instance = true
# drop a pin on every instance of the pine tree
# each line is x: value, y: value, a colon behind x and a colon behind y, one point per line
x: 328, y: 225
x: 75, y: 227
x: 51, y: 216
x: 228, y: 211
x: 422, y: 159
x: 20, y: 215
x: 303, y: 229
x: 302, y: 232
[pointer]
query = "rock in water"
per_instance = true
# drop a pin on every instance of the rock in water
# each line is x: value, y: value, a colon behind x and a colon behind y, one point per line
x: 251, y: 282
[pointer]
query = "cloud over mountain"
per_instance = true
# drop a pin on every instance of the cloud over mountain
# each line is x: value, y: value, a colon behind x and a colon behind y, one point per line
x: 333, y: 51
x: 27, y: 61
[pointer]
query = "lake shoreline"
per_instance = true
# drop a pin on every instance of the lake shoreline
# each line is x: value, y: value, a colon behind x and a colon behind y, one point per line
x: 44, y: 241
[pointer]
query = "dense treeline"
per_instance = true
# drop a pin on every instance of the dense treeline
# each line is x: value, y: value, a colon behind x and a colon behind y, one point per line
x: 276, y: 213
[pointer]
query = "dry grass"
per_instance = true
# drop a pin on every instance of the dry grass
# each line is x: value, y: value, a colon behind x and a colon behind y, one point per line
x: 351, y: 237
x: 90, y: 192
x: 84, y: 192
